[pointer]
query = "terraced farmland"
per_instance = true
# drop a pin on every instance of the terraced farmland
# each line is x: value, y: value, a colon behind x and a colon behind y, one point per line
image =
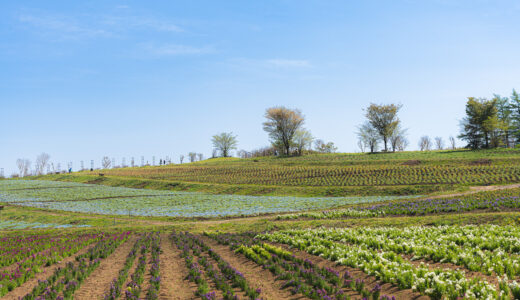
x: 343, y: 171
x: 323, y: 175
x: 90, y: 241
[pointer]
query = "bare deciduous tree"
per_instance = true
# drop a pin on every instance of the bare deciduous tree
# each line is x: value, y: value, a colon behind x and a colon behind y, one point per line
x: 201, y: 156
x: 192, y: 156
x: 453, y: 143
x: 439, y: 143
x: 402, y: 144
x: 425, y: 143
x: 244, y: 154
x: 398, y: 139
x: 23, y: 165
x: 42, y: 161
x: 323, y: 147
x: 302, y: 140
x: 361, y: 146
x: 368, y: 136
x: 384, y: 120
x: 181, y: 158
x: 224, y: 142
x: 281, y: 125
x: 106, y: 162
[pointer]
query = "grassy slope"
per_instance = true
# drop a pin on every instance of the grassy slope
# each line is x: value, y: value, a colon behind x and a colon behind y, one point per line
x: 208, y: 176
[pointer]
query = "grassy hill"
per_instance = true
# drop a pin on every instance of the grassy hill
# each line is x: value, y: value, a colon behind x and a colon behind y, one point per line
x: 402, y: 173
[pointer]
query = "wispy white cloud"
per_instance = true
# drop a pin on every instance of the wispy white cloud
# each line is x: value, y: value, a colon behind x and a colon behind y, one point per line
x: 288, y: 63
x: 177, y: 49
x: 132, y: 22
x: 91, y: 26
x: 62, y: 27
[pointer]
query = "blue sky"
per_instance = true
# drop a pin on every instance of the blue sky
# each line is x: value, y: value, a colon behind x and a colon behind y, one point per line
x: 84, y: 79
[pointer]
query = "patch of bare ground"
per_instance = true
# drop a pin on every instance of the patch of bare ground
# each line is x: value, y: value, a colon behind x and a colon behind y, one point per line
x: 255, y: 274
x: 98, y: 283
x: 174, y: 284
x: 370, y: 281
x: 145, y: 286
x: 46, y: 272
x: 476, y: 189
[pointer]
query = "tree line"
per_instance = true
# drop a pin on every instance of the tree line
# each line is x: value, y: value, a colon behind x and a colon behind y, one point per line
x: 489, y: 123
x: 492, y: 123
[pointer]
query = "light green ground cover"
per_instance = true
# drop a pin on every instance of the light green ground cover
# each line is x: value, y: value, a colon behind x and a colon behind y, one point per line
x: 125, y: 201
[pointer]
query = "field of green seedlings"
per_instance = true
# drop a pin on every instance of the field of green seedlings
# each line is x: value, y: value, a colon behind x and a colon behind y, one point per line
x: 359, y: 174
x: 345, y: 170
x: 106, y: 200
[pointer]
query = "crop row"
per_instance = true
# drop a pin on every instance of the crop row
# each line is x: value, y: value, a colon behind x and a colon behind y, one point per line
x: 387, y: 265
x: 301, y: 276
x: 488, y: 200
x: 491, y: 250
x: 381, y: 175
x: 200, y: 261
x: 65, y: 281
x: 31, y: 253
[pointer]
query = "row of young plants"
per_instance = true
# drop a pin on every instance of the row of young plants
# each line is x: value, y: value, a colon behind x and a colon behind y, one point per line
x: 18, y: 247
x: 333, y: 214
x: 155, y: 269
x: 134, y: 286
x: 32, y: 253
x: 488, y: 249
x: 447, y: 205
x: 200, y: 260
x: 488, y: 200
x: 147, y: 243
x: 301, y: 276
x: 65, y: 281
x: 332, y: 175
x: 390, y: 267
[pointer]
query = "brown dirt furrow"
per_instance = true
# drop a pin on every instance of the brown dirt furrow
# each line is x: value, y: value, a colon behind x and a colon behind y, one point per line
x: 370, y: 281
x: 130, y: 272
x: 146, y: 277
x: 98, y: 283
x: 255, y: 274
x: 28, y: 286
x: 173, y: 273
x: 238, y: 292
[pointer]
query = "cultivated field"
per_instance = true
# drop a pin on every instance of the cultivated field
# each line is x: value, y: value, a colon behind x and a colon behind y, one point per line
x: 401, y: 173
x: 71, y: 240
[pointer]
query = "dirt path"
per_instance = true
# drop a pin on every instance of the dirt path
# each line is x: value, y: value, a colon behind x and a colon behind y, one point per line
x: 28, y: 286
x: 173, y: 272
x: 98, y: 283
x: 476, y: 189
x: 255, y: 274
